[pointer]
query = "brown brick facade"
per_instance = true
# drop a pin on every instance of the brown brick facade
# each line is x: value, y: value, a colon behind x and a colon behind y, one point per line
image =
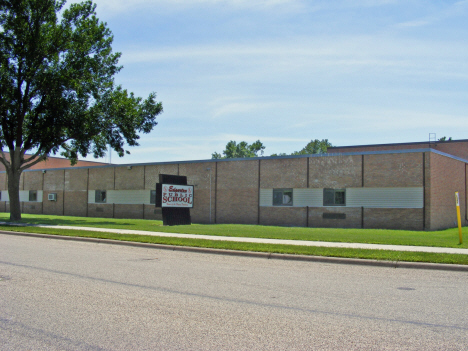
x: 235, y: 189
x: 237, y: 192
x: 446, y: 177
x: 335, y: 172
x: 200, y: 175
x: 457, y: 148
x: 129, y: 178
x: 353, y: 217
x: 283, y: 216
x: 393, y: 218
x: 393, y: 170
x: 283, y: 173
x: 76, y: 203
x: 55, y: 162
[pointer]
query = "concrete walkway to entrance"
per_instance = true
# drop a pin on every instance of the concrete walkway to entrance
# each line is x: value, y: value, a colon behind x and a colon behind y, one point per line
x: 271, y: 241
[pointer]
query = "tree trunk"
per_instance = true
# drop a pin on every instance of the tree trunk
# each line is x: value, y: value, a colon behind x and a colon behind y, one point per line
x: 13, y: 194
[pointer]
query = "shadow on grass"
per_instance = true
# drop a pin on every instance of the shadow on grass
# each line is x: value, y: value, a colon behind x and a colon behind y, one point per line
x: 75, y: 222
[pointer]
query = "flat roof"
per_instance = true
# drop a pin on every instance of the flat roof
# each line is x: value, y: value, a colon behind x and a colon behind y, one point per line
x: 331, y: 154
x: 395, y: 144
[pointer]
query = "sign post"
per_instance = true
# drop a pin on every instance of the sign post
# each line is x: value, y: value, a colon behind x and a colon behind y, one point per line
x: 457, y: 199
x: 175, y: 198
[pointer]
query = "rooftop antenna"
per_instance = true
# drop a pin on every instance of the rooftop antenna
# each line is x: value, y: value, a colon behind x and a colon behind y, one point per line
x: 432, y: 139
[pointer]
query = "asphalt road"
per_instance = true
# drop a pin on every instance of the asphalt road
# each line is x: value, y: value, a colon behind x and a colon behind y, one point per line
x: 62, y: 295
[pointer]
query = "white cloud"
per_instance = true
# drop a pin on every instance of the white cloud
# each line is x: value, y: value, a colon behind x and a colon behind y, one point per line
x: 458, y: 9
x: 336, y: 54
x: 122, y: 6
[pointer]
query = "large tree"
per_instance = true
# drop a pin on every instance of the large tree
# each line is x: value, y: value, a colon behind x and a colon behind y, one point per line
x: 241, y: 150
x: 57, y: 91
x: 313, y: 147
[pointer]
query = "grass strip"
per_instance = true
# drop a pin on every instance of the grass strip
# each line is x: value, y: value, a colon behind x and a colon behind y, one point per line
x: 273, y: 248
x: 441, y: 238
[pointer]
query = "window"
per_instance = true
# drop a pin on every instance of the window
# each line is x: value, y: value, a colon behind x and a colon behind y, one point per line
x: 32, y: 195
x: 334, y: 197
x: 282, y: 197
x: 100, y: 196
x: 153, y: 197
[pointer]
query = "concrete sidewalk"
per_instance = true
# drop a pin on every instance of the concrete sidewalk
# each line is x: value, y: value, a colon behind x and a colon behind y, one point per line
x: 271, y: 241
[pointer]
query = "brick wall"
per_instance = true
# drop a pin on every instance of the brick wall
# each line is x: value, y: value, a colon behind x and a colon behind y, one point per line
x: 3, y: 181
x: 152, y: 213
x: 128, y: 211
x: 152, y: 173
x: 446, y: 177
x: 76, y: 192
x: 56, y: 162
x: 335, y: 172
x: 129, y: 179
x: 101, y: 178
x: 393, y: 170
x: 31, y: 207
x: 283, y: 173
x: 394, y: 218
x: 54, y: 182
x: 101, y: 210
x: 55, y: 208
x: 76, y: 203
x: 199, y: 176
x: 33, y: 180
x: 352, y: 220
x: 235, y: 189
x: 283, y: 216
x: 457, y: 148
x: 237, y: 192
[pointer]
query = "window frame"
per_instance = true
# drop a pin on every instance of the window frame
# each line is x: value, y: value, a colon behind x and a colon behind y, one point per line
x: 283, y: 191
x: 152, y: 197
x: 32, y: 196
x: 98, y: 198
x: 327, y: 203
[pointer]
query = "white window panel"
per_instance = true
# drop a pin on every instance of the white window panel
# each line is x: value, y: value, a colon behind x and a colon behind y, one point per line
x: 124, y: 197
x: 308, y: 197
x: 24, y: 195
x: 266, y: 197
x: 411, y: 197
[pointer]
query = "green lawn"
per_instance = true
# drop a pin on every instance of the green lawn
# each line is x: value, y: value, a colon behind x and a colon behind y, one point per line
x: 444, y: 238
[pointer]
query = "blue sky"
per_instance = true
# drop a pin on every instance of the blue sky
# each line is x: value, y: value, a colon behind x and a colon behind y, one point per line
x: 288, y: 71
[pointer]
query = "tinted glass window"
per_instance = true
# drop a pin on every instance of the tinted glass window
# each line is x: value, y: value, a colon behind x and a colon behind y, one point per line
x: 328, y: 197
x: 100, y: 196
x: 32, y: 195
x: 334, y: 197
x: 282, y: 197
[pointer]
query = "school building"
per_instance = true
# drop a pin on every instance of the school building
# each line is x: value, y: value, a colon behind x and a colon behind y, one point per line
x: 397, y: 186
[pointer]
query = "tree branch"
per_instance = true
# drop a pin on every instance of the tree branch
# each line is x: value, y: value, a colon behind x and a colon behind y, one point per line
x: 4, y: 161
x: 39, y: 159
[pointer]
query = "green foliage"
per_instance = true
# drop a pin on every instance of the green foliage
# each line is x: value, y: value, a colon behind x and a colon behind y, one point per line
x: 444, y: 138
x: 440, y: 238
x: 313, y: 147
x: 241, y: 150
x: 57, y: 84
x: 57, y: 89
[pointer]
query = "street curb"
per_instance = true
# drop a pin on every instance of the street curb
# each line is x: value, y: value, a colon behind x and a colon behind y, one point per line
x: 267, y: 255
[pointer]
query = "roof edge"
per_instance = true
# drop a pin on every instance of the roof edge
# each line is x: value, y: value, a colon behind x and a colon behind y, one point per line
x: 356, y: 153
x: 395, y: 144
